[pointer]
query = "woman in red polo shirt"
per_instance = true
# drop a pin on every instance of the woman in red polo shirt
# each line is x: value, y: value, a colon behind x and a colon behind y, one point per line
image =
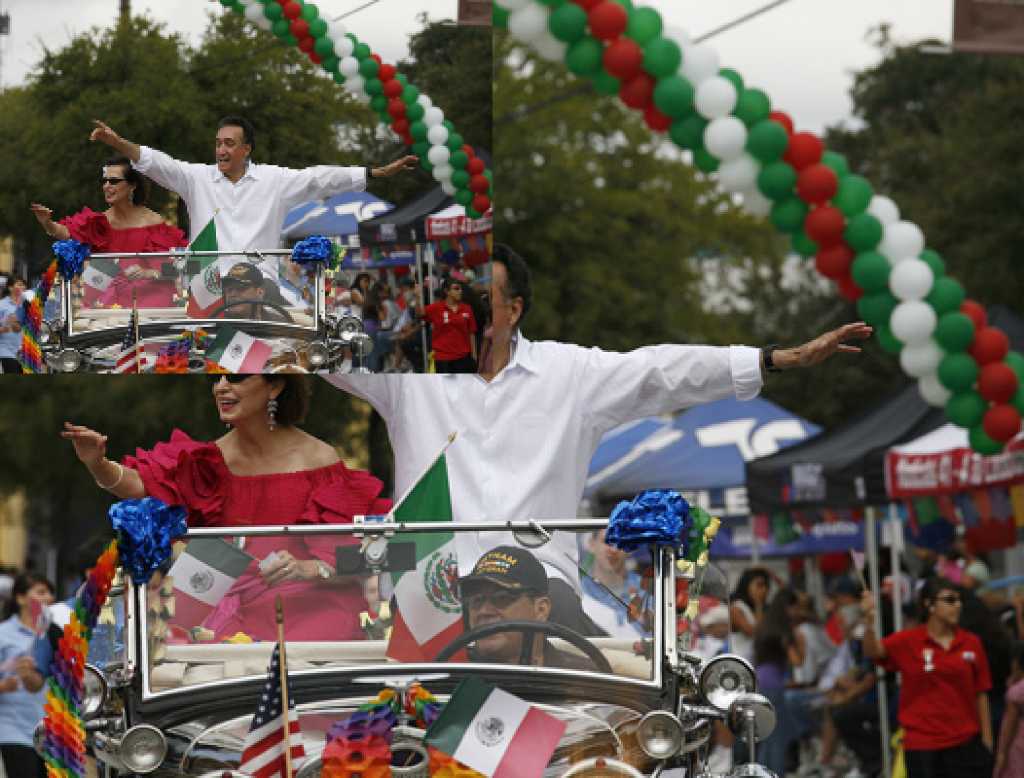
x: 452, y: 328
x: 943, y: 702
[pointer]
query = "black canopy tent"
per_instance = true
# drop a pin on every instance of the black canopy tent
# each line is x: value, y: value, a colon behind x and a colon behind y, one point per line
x: 406, y: 223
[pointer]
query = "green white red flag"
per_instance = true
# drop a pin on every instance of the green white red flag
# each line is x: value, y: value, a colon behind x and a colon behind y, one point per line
x: 238, y: 352
x: 203, y: 574
x: 204, y: 290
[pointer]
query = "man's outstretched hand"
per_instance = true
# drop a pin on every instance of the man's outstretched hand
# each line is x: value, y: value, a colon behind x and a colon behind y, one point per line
x: 816, y: 351
x: 102, y: 133
x: 409, y: 162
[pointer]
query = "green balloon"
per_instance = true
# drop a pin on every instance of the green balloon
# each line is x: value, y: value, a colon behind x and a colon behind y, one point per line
x: 418, y: 130
x: 837, y: 162
x: 605, y: 83
x: 644, y: 25
x: 459, y: 159
x: 310, y: 12
x: 733, y: 77
x: 318, y: 28
x: 583, y: 57
x: 361, y: 51
x: 463, y: 196
x: 421, y: 148
x: 673, y: 96
x: 227, y: 3
x: 402, y: 79
x: 966, y: 409
x: 958, y: 372
x: 379, y: 103
x: 853, y: 195
x: 982, y: 443
x: 767, y: 141
x: 330, y: 63
x: 449, y: 125
x: 777, y: 180
x: 415, y: 112
x: 1018, y: 399
x: 876, y: 308
x: 410, y: 95
x: 946, y: 295
x: 568, y: 23
x: 870, y: 271
x: 291, y: 40
x: 705, y: 161
x: 374, y: 86
x: 324, y: 47
x: 454, y: 141
x: 273, y: 11
x: 281, y: 28
x: 369, y: 68
x: 688, y: 133
x: 1015, y: 361
x: 803, y: 245
x: 460, y: 179
x: 426, y: 164
x: 788, y: 214
x: 338, y: 77
x: 662, y: 57
x: 889, y: 342
x: 863, y: 232
x: 935, y: 262
x: 499, y: 16
x: 955, y: 332
x: 753, y: 107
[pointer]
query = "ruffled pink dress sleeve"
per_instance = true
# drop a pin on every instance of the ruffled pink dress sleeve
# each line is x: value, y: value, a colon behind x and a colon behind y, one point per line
x: 88, y: 226
x: 164, y: 237
x: 347, y: 494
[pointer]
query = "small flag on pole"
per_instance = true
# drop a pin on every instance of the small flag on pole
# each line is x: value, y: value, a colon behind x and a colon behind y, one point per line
x: 204, y: 290
x: 495, y: 732
x: 203, y: 574
x: 264, y: 753
x: 129, y: 361
x: 100, y: 273
x: 238, y: 352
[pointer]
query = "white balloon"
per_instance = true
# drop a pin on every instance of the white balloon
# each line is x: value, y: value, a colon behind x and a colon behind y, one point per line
x: 433, y: 116
x: 921, y: 359
x: 715, y: 97
x: 425, y: 101
x: 254, y: 13
x: 356, y: 85
x: 439, y: 155
x: 443, y: 173
x: 437, y: 135
x: 911, y: 279
x: 932, y: 391
x: 884, y: 209
x: 678, y: 35
x: 699, y: 62
x: 725, y: 137
x: 913, y: 321
x: 738, y: 175
x: 755, y: 203
x: 900, y: 241
x: 343, y: 46
x: 448, y: 188
x: 529, y: 23
x: 349, y: 67
x: 336, y: 29
x: 550, y: 48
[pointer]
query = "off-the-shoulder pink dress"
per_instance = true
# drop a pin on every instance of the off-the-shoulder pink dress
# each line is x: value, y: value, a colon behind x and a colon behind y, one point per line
x: 193, y: 474
x: 93, y: 228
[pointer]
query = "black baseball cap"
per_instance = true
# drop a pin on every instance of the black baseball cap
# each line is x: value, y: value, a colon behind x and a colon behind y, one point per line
x: 243, y: 273
x: 510, y: 567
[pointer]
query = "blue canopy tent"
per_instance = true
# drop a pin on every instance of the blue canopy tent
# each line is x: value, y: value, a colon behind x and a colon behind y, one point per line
x: 335, y: 217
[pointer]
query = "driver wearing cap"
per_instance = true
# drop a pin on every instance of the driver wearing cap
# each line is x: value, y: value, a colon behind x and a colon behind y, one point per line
x: 244, y: 283
x: 509, y: 584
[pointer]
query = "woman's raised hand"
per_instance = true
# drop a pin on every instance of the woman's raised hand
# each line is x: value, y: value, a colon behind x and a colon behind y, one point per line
x: 43, y: 214
x: 90, y: 446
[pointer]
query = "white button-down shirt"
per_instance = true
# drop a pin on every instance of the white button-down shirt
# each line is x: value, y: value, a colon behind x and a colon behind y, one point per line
x: 250, y: 212
x: 525, y: 439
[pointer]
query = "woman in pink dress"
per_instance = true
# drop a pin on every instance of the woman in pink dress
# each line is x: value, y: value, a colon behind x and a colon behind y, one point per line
x: 1010, y: 750
x: 265, y: 471
x: 127, y: 225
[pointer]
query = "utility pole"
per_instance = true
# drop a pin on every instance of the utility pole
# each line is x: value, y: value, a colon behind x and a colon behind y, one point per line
x: 126, y: 10
x: 5, y: 31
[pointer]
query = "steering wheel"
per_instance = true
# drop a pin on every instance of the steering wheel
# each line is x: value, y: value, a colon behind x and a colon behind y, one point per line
x: 527, y: 628
x: 219, y: 311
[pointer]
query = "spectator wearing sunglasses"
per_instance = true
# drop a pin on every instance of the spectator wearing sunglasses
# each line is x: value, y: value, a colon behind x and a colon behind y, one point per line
x: 125, y: 225
x: 943, y: 701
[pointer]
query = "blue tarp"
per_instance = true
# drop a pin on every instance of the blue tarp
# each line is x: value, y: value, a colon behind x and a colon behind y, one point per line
x: 338, y: 216
x: 733, y: 541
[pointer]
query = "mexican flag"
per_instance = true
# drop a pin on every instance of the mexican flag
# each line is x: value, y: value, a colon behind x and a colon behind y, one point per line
x: 237, y: 352
x: 202, y: 575
x: 204, y: 289
x: 100, y: 273
x: 495, y: 732
x: 429, y: 613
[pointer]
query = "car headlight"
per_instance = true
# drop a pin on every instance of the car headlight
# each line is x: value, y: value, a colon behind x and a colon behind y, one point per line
x: 725, y: 678
x: 143, y: 748
x: 751, y: 714
x: 660, y: 734
x: 69, y: 360
x: 318, y: 354
x: 347, y: 327
x: 95, y: 692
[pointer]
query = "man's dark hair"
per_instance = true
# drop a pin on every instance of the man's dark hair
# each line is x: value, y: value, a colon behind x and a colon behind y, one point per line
x: 133, y: 177
x: 517, y: 274
x: 248, y: 131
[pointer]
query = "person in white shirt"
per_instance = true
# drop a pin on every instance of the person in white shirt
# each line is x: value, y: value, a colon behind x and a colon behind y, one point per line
x: 529, y: 422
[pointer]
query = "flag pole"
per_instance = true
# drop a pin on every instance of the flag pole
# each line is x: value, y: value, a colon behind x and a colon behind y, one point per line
x: 135, y: 324
x: 415, y: 483
x: 285, y: 723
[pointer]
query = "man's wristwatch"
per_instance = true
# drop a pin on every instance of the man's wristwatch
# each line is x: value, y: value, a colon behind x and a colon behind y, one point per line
x: 767, y: 356
x: 369, y: 173
x: 323, y: 571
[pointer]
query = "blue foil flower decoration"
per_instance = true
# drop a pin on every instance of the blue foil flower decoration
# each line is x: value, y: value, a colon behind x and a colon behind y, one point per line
x: 145, y: 529
x: 71, y: 256
x: 313, y: 249
x: 657, y: 516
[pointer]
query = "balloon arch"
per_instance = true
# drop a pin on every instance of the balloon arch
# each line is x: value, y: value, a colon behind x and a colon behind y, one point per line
x: 857, y: 237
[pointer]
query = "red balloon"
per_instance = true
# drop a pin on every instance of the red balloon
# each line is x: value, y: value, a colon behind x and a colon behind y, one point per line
x: 624, y: 58
x: 656, y: 120
x: 816, y: 184
x: 377, y: 59
x: 586, y: 5
x: 314, y: 57
x: 997, y: 382
x: 292, y: 10
x: 834, y: 262
x: 396, y: 108
x: 387, y: 73
x: 783, y: 119
x: 475, y: 166
x: 1001, y: 422
x: 805, y: 149
x: 481, y: 203
x: 849, y: 290
x: 401, y: 126
x: 479, y: 184
x: 607, y: 20
x: 637, y: 92
x: 976, y: 311
x: 299, y: 28
x: 469, y: 151
x: 824, y: 225
x: 307, y: 44
x: 990, y: 345
x: 393, y: 88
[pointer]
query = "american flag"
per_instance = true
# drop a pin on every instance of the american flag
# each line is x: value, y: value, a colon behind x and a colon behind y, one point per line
x: 263, y: 756
x: 128, y: 359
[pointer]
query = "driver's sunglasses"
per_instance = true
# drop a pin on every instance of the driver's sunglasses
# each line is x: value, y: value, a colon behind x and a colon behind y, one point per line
x: 500, y: 599
x: 113, y: 181
x: 231, y: 378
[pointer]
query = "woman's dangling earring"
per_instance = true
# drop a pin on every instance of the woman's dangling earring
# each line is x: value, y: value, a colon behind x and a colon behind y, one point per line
x: 271, y: 410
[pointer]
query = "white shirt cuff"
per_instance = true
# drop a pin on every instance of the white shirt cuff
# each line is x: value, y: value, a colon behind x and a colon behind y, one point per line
x: 745, y: 363
x: 359, y: 178
x: 145, y: 159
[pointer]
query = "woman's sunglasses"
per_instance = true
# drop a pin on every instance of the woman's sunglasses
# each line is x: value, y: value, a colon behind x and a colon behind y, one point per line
x: 231, y: 378
x: 113, y: 181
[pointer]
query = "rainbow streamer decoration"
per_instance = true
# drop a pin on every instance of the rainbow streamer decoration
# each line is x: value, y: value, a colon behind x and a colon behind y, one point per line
x: 64, y: 746
x: 30, y: 355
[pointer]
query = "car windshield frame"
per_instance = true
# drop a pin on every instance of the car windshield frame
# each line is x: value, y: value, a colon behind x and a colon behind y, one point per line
x: 663, y: 648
